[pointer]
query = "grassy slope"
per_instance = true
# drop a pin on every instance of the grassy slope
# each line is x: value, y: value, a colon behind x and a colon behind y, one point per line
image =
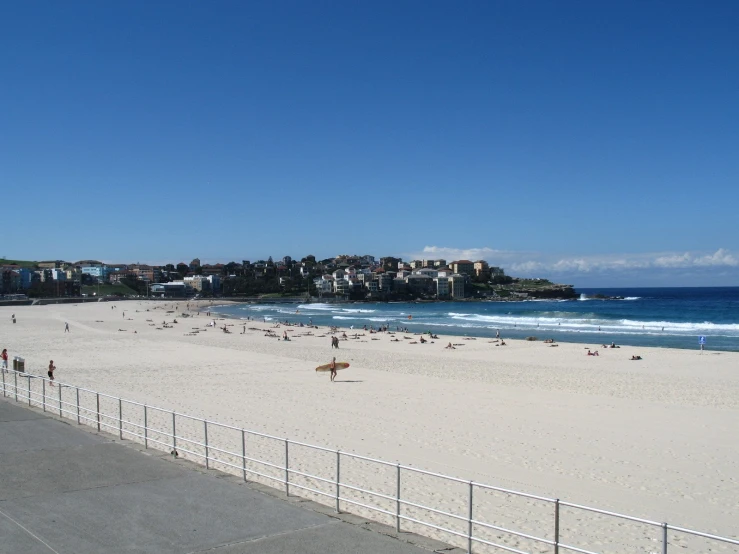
x: 21, y: 263
x: 106, y: 290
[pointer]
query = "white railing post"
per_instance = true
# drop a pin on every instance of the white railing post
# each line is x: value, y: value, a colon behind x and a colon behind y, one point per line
x: 664, y: 538
x: 78, y: 406
x: 97, y: 404
x: 29, y: 390
x: 120, y: 418
x: 556, y: 526
x: 469, y: 522
x: 146, y: 428
x: 58, y: 386
x: 43, y: 393
x: 15, y: 385
x: 3, y: 372
x: 205, y: 428
x: 174, y: 431
x: 397, y: 498
x: 287, y: 470
x: 243, y: 452
x: 338, y: 479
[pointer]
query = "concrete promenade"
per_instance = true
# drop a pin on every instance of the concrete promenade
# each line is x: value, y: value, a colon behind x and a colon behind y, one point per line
x: 71, y: 490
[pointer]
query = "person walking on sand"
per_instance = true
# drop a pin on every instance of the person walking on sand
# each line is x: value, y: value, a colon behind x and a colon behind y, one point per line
x: 332, y: 367
x: 50, y: 373
x: 5, y: 360
x: 66, y: 327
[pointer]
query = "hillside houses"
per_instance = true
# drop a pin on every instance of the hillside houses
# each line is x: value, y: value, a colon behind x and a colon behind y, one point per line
x: 344, y: 276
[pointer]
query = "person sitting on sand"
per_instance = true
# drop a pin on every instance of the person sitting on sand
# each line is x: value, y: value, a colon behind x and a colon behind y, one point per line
x: 450, y: 346
x: 502, y: 343
x: 423, y: 340
x: 636, y: 357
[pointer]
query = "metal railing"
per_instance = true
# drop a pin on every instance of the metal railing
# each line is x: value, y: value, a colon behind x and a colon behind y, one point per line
x: 285, y: 470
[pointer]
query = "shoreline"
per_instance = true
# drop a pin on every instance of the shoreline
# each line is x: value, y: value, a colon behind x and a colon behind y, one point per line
x: 597, y: 340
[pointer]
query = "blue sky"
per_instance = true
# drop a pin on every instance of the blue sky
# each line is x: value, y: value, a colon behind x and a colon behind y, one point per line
x: 592, y: 143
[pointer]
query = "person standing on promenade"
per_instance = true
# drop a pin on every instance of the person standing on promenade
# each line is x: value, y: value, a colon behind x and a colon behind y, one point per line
x: 66, y: 327
x: 332, y: 367
x: 5, y: 360
x: 50, y: 373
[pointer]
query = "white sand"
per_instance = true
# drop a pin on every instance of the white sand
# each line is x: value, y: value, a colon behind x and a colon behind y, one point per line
x: 654, y: 438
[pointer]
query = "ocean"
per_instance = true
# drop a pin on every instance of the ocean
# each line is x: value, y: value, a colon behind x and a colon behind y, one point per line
x: 662, y: 317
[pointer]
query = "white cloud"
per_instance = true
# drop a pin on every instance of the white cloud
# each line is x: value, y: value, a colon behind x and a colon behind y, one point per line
x: 540, y: 264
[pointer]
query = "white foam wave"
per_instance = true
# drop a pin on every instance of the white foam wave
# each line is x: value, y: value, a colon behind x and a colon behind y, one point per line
x: 686, y: 326
x: 317, y: 306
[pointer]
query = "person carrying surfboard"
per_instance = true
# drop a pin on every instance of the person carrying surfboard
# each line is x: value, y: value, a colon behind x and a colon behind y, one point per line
x: 332, y: 367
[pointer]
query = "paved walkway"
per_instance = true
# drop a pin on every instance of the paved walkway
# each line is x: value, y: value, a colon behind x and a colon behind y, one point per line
x: 70, y: 490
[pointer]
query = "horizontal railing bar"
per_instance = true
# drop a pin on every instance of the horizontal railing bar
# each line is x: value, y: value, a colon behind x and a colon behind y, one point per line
x: 441, y: 512
x: 282, y: 468
x: 509, y: 491
x: 215, y: 423
x: 280, y: 479
x: 311, y: 490
x: 502, y: 546
x: 365, y: 491
x: 211, y: 447
x: 433, y: 474
x: 576, y: 549
x: 323, y: 448
x: 463, y: 535
x: 309, y: 476
x: 375, y: 508
x: 225, y: 463
x: 360, y: 457
x: 504, y: 530
x: 700, y: 534
x: 263, y: 435
x: 607, y: 513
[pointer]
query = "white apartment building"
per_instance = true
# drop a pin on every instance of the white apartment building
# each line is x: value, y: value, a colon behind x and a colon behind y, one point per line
x: 385, y: 281
x: 428, y: 272
x: 456, y: 286
x: 341, y: 286
x: 442, y: 287
x: 324, y: 285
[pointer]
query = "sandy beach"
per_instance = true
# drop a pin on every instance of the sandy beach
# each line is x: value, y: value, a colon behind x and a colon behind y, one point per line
x: 653, y: 438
